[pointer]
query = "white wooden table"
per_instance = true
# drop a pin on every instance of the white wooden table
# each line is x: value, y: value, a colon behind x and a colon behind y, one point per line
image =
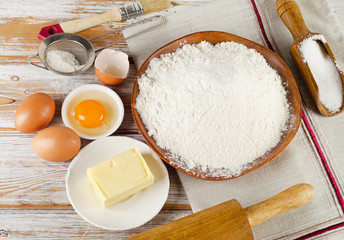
x: 33, y: 201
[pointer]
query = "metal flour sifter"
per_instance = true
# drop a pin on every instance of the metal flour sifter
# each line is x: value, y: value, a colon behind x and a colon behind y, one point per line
x: 81, y: 47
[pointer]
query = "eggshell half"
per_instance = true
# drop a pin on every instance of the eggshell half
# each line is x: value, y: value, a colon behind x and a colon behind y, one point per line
x: 34, y: 113
x: 56, y: 144
x: 111, y: 66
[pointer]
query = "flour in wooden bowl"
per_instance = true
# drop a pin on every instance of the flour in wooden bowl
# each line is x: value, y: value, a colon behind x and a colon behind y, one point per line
x: 214, y: 108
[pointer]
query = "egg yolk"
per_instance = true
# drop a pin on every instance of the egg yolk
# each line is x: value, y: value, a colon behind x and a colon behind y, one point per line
x: 90, y: 113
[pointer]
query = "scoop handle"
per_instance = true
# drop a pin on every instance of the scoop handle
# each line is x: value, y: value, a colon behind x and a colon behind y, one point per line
x: 289, y: 199
x: 291, y: 15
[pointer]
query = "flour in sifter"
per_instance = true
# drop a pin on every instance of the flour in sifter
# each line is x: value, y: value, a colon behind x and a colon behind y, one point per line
x: 63, y: 61
x: 215, y: 107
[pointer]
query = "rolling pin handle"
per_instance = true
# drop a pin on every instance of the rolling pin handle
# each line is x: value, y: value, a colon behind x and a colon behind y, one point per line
x: 291, y: 198
x: 228, y: 220
x: 291, y: 15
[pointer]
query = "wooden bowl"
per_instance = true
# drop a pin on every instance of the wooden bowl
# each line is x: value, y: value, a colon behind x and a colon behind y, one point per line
x: 274, y: 61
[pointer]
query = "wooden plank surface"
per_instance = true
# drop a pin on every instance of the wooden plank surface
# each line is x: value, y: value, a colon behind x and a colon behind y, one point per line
x: 66, y: 224
x: 33, y: 201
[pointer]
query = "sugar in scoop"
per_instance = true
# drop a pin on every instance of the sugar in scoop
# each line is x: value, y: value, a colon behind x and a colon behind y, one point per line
x: 315, y: 60
x: 325, y: 72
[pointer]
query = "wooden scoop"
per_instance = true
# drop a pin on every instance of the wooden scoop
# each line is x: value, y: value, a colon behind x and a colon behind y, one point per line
x: 229, y: 220
x: 290, y: 13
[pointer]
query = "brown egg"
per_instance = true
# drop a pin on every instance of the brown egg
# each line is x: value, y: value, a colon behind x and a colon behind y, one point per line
x: 56, y: 144
x: 34, y: 113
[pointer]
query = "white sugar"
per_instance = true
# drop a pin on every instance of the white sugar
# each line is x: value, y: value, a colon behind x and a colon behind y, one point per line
x: 217, y: 108
x: 63, y: 61
x: 324, y: 71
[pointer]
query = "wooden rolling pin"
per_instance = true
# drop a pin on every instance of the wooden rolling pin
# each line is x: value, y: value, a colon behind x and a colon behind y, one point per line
x: 229, y: 220
x: 291, y: 15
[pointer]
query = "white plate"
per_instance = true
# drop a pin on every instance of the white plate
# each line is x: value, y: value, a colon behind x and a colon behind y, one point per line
x: 130, y: 213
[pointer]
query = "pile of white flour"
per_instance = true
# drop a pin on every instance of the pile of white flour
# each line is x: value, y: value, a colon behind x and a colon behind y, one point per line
x: 63, y: 61
x: 214, y: 107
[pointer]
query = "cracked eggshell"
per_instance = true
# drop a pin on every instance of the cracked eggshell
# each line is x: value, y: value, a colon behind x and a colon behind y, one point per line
x: 111, y: 66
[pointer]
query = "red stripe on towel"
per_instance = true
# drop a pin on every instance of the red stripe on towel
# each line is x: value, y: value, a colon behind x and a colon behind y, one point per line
x: 313, y: 234
x: 324, y: 161
x: 315, y: 141
x: 329, y: 174
x: 261, y: 25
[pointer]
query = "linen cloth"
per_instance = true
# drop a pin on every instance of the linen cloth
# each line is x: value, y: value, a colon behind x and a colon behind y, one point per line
x: 301, y: 161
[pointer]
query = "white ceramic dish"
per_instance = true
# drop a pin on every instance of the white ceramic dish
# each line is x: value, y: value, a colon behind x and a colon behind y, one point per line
x: 107, y: 97
x: 127, y: 214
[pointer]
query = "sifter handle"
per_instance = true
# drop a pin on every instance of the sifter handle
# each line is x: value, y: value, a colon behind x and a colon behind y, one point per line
x: 291, y: 15
x: 35, y: 64
x: 289, y: 199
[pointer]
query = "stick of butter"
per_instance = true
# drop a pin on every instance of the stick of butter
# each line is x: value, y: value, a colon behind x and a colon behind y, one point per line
x: 119, y: 177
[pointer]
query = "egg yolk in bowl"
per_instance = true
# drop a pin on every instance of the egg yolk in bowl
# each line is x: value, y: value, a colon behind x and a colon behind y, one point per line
x: 90, y: 113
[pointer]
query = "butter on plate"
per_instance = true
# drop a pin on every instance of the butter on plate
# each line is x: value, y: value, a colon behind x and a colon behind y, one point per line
x: 119, y: 177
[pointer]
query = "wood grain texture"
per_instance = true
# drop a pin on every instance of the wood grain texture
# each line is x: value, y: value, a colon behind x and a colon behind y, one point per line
x: 26, y: 181
x: 66, y: 224
x: 4, y: 100
x: 226, y: 221
x: 291, y: 16
x: 81, y: 24
x: 289, y: 199
x: 33, y: 202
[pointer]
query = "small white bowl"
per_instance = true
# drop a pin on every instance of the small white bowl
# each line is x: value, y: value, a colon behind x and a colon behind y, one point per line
x: 107, y: 97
